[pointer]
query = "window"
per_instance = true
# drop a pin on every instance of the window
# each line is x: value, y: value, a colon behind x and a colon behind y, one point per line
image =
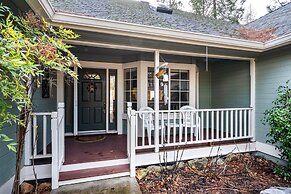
x: 179, y: 89
x: 92, y: 76
x: 130, y: 85
x: 163, y: 90
x: 112, y: 99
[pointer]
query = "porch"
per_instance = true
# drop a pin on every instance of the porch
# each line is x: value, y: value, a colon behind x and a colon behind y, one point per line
x: 219, y: 93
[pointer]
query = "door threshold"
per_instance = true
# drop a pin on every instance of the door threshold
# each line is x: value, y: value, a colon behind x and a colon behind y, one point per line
x: 101, y: 132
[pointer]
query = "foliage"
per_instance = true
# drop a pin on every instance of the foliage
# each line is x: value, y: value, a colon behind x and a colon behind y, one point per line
x: 279, y: 120
x: 277, y: 4
x: 229, y: 10
x: 29, y: 47
x: 261, y: 35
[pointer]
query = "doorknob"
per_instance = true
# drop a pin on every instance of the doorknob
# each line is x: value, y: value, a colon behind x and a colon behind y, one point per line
x: 104, y: 107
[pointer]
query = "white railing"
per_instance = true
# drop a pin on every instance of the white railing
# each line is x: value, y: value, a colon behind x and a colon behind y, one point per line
x: 58, y: 143
x: 40, y: 135
x: 47, y: 128
x: 186, y: 127
x: 131, y: 134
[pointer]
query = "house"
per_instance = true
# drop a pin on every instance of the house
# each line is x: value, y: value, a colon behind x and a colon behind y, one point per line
x: 223, y: 82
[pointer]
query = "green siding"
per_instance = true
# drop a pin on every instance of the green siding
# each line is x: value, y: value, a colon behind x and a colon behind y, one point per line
x: 7, y: 157
x: 272, y: 70
x: 204, y: 87
x: 230, y: 84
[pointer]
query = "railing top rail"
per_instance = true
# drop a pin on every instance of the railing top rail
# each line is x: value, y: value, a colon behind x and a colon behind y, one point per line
x: 41, y: 113
x: 195, y: 110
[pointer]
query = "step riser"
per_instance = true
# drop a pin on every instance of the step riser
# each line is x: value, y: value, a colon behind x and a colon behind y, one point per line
x: 89, y: 165
x: 96, y: 178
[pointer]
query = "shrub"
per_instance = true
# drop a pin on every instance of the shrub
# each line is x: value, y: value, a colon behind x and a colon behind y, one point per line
x: 279, y: 120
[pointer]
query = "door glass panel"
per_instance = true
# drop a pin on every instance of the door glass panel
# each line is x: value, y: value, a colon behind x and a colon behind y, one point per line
x: 113, y: 99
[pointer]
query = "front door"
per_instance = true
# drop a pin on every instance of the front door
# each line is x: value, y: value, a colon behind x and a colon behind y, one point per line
x: 92, y: 100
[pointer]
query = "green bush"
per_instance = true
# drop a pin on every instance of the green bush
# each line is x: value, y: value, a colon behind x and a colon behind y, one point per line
x: 279, y: 120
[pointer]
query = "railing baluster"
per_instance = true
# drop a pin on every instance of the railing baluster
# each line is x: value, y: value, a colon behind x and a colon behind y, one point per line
x: 34, y: 125
x: 202, y: 125
x: 180, y: 127
x: 192, y: 125
x: 217, y: 124
x: 149, y: 128
x: 174, y: 127
x: 231, y: 123
x: 240, y: 123
x: 44, y: 134
x: 236, y: 123
x: 249, y: 122
x: 245, y: 123
x: 143, y: 131
x: 207, y: 125
x: 227, y: 124
x: 222, y: 124
x: 212, y: 125
x: 162, y: 129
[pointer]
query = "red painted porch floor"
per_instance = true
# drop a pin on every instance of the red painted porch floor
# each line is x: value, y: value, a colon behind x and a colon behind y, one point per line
x: 111, y: 148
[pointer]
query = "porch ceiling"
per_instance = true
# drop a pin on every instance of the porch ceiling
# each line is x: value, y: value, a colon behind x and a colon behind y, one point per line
x: 135, y: 44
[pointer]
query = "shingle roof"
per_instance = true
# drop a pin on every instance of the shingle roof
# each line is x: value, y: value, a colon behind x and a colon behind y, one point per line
x: 279, y: 19
x: 132, y: 11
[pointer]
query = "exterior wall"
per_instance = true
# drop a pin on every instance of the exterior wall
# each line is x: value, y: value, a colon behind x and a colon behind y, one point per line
x: 7, y: 157
x: 204, y: 87
x: 272, y: 70
x: 230, y: 84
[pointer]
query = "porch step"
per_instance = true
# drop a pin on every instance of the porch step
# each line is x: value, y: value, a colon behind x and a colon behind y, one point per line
x: 90, y: 165
x: 93, y: 174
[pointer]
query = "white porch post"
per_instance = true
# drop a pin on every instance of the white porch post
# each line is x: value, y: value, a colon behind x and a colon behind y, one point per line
x: 76, y: 103
x: 55, y: 151
x: 156, y: 94
x: 253, y: 98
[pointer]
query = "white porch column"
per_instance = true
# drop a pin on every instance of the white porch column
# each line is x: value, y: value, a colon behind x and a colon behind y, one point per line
x: 76, y: 103
x: 60, y: 87
x: 253, y: 97
x: 156, y: 94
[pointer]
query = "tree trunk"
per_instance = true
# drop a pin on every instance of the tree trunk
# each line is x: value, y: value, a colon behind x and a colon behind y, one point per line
x: 24, y: 117
x: 214, y: 9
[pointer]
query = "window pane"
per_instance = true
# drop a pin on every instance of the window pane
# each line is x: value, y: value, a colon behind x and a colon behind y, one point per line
x: 133, y: 95
x: 133, y: 73
x: 175, y: 106
x: 174, y: 96
x: 185, y: 75
x: 185, y: 85
x: 184, y: 96
x: 127, y: 85
x: 174, y: 85
x: 127, y: 73
x: 133, y: 84
x: 174, y: 74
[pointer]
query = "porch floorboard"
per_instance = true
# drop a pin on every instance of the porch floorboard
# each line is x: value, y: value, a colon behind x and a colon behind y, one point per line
x: 111, y: 148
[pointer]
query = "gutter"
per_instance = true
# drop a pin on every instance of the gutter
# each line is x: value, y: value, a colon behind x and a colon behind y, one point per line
x: 45, y: 9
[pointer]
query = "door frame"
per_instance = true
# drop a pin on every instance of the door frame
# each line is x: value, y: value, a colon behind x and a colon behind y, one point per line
x: 106, y: 66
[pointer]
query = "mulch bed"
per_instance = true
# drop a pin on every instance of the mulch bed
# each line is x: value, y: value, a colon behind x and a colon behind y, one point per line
x: 243, y: 173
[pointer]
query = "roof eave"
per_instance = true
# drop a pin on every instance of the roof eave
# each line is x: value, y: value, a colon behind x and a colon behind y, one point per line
x: 45, y: 9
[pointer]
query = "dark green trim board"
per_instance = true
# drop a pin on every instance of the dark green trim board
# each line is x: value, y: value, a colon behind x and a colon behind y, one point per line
x: 272, y: 70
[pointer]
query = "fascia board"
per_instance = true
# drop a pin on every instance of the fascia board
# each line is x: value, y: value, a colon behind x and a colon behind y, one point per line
x: 45, y: 9
x: 141, y: 31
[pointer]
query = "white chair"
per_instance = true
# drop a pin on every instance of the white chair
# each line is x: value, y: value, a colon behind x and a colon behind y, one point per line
x: 190, y: 119
x: 147, y: 118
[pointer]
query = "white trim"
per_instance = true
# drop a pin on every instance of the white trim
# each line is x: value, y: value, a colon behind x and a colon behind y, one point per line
x: 45, y: 9
x: 107, y: 100
x: 69, y: 134
x: 42, y: 172
x: 267, y: 149
x: 97, y: 178
x: 76, y: 103
x: 191, y: 153
x: 253, y: 98
x: 106, y: 66
x: 89, y: 165
x: 135, y: 48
